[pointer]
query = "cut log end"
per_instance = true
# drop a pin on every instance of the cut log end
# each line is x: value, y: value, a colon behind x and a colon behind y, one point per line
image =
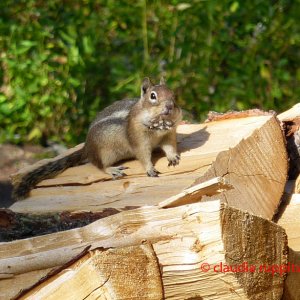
x: 254, y: 242
x: 126, y: 273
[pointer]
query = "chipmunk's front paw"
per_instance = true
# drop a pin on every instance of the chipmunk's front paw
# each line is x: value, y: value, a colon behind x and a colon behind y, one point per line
x: 161, y: 124
x: 173, y: 161
x: 153, y: 172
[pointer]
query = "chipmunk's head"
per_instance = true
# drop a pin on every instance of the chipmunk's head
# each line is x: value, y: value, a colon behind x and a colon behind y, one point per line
x: 159, y: 101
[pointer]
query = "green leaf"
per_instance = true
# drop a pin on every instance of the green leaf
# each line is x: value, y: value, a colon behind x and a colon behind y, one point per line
x: 265, y: 72
x: 276, y: 91
x: 35, y: 133
x: 87, y: 45
x: 6, y: 108
x: 234, y: 6
x: 67, y: 38
x: 74, y: 81
x: 25, y: 46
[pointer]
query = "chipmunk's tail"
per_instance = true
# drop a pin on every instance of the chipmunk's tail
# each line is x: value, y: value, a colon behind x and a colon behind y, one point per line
x: 48, y: 169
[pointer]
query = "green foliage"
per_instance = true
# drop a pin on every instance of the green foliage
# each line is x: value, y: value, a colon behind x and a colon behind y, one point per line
x: 62, y: 61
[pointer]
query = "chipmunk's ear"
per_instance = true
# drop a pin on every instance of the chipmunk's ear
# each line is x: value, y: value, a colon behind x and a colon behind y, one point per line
x: 146, y: 85
x: 162, y: 81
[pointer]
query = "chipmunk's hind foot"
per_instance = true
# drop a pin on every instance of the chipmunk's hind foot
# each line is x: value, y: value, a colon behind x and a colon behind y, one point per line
x: 116, y: 172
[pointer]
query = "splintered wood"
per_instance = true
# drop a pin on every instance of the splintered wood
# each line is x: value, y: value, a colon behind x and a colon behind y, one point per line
x: 195, y: 193
x: 191, y: 244
x: 248, y: 152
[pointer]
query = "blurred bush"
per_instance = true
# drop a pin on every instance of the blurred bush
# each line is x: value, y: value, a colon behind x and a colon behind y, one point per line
x: 64, y: 60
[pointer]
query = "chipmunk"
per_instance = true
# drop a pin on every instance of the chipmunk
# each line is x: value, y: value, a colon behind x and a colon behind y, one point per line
x: 130, y: 128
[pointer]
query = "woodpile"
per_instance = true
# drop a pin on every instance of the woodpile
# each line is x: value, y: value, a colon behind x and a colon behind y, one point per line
x: 224, y: 224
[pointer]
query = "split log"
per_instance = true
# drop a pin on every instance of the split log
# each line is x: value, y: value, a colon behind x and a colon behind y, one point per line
x: 297, y: 185
x: 125, y: 273
x: 291, y: 124
x: 244, y: 167
x: 289, y: 219
x: 290, y: 114
x: 289, y: 212
x: 194, y: 246
x: 249, y: 152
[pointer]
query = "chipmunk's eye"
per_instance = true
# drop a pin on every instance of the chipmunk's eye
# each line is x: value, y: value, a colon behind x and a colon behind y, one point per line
x: 153, y: 96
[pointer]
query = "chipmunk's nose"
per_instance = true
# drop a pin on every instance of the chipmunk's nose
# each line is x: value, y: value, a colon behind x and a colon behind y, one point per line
x: 168, y: 108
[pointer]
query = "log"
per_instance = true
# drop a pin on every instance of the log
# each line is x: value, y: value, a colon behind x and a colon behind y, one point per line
x: 291, y: 124
x: 290, y: 114
x: 194, y: 245
x: 290, y: 221
x: 244, y: 167
x: 289, y: 211
x: 297, y: 185
x: 288, y: 218
x: 248, y: 152
x: 101, y: 275
x: 19, y: 225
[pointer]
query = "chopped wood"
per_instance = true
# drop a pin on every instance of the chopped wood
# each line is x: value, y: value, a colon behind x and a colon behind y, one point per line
x: 291, y: 124
x: 246, y: 167
x: 194, y: 194
x: 168, y: 245
x: 297, y: 185
x: 102, y: 274
x: 248, y: 152
x: 290, y: 114
x: 291, y: 284
x: 290, y: 221
x: 192, y: 244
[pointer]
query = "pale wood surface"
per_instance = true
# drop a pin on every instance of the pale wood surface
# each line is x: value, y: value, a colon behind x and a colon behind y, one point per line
x: 194, y: 194
x: 183, y: 238
x: 290, y: 114
x: 126, y: 273
x: 248, y: 152
x: 256, y: 167
x: 297, y: 185
x: 289, y: 219
x: 292, y: 282
x: 290, y: 216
